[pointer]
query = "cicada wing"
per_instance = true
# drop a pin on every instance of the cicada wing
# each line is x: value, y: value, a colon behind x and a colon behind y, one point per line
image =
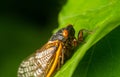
x: 39, y: 63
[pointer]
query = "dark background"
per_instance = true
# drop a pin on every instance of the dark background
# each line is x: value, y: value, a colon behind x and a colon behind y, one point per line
x: 24, y: 27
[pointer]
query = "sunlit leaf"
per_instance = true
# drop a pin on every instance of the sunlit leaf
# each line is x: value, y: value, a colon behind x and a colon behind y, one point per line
x: 99, y: 16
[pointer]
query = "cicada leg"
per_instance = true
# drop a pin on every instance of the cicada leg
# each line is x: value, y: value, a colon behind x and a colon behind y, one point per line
x: 62, y: 58
x: 74, y: 42
x: 59, y: 63
x: 80, y: 34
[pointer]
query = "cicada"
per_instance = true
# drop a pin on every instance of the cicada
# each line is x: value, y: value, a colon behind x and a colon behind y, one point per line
x: 48, y: 59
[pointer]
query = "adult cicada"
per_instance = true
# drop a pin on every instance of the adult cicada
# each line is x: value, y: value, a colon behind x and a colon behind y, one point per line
x: 48, y: 59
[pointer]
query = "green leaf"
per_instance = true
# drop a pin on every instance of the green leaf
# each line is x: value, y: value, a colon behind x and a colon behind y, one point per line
x: 99, y: 16
x: 102, y: 59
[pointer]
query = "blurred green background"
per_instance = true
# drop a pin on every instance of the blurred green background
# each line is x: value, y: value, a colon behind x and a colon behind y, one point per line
x: 24, y: 27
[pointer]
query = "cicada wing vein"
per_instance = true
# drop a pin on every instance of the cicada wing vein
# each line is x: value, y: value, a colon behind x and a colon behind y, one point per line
x: 39, y: 63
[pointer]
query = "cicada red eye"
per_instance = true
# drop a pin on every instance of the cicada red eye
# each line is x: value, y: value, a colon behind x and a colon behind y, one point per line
x: 65, y: 33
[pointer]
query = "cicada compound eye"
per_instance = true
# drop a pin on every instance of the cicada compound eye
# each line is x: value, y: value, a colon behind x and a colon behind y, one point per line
x: 65, y: 33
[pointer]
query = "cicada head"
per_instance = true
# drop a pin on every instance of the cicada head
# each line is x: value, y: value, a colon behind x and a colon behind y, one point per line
x: 64, y: 34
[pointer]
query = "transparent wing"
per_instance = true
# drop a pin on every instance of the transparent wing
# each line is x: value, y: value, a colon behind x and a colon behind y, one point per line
x: 39, y: 63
